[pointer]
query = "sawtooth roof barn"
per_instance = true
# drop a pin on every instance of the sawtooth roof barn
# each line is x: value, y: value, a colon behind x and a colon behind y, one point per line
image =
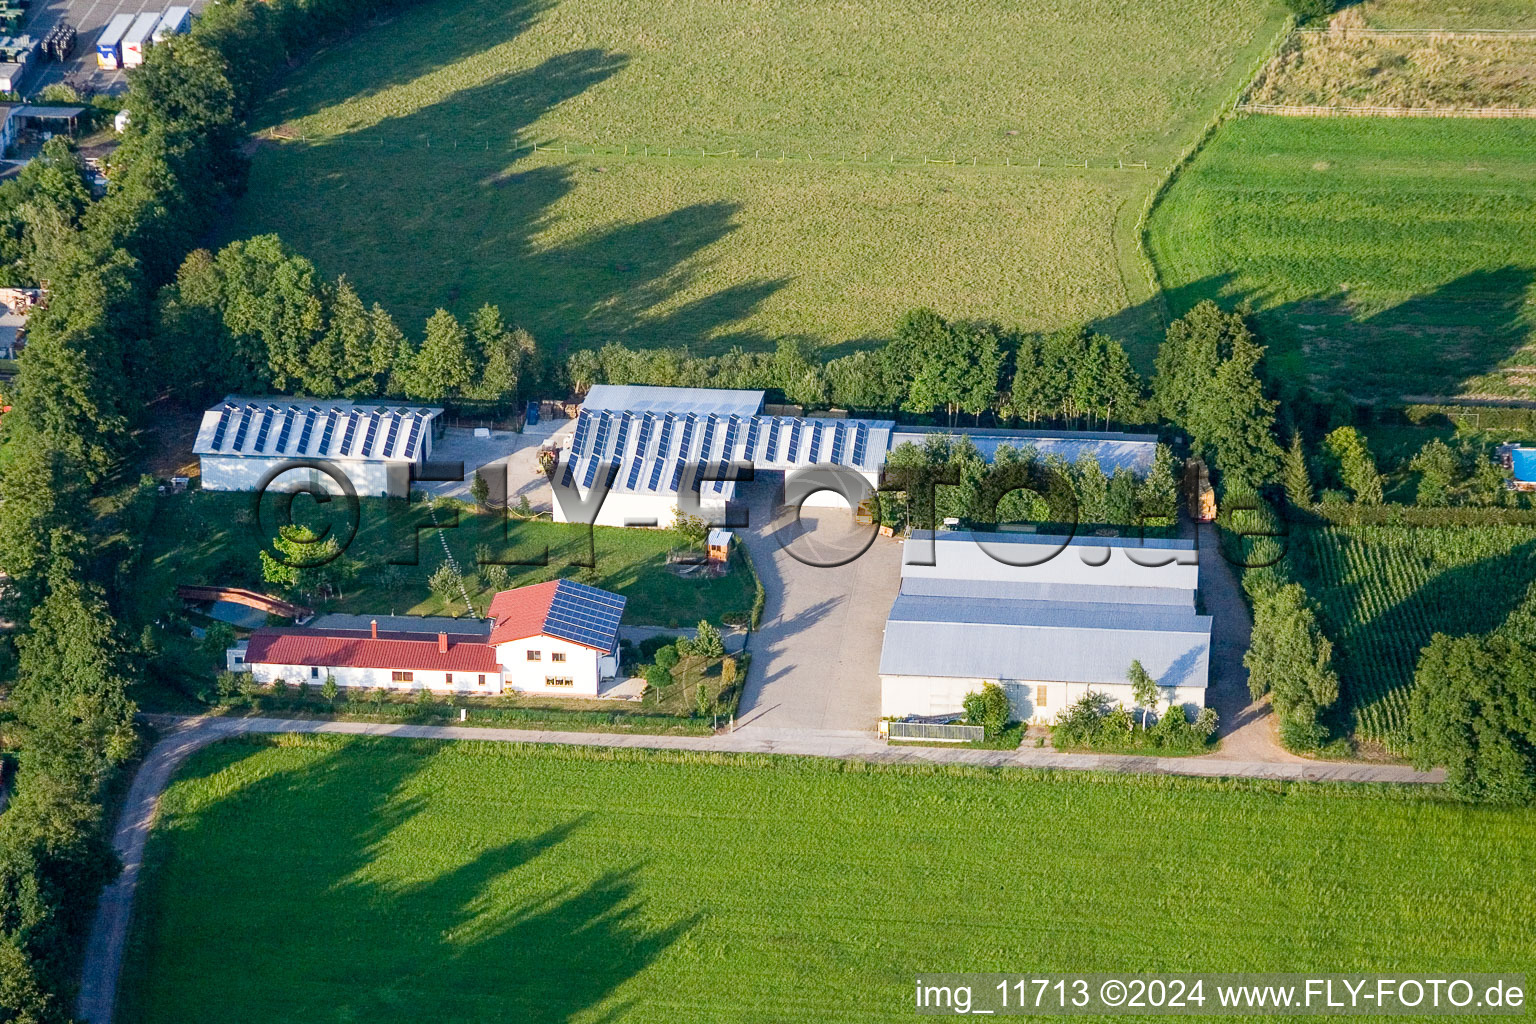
x: 241, y: 440
x: 656, y: 437
x: 1047, y: 617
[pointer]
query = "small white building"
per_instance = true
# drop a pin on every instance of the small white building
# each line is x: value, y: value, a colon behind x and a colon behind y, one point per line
x: 245, y: 441
x: 558, y: 638
x: 1047, y: 618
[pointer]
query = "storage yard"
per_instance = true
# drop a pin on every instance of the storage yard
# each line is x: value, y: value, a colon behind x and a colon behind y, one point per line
x: 126, y: 27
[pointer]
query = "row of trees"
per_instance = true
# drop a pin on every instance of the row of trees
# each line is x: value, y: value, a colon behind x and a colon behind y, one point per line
x: 255, y: 316
x: 930, y: 365
x: 89, y: 353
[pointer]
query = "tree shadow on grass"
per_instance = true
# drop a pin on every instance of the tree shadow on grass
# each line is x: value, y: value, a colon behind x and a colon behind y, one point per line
x: 305, y: 883
x: 417, y: 40
x: 441, y: 224
x: 1428, y: 345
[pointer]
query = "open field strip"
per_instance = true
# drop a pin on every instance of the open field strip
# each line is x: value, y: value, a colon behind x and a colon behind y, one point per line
x: 714, y: 252
x: 307, y: 878
x: 1387, y: 258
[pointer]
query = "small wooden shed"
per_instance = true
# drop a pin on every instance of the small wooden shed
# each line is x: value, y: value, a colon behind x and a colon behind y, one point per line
x: 719, y: 542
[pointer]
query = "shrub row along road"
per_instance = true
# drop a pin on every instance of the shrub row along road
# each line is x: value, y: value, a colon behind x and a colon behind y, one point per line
x: 181, y: 736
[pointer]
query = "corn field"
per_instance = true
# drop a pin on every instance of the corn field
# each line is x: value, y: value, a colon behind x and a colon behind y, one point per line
x: 1385, y: 590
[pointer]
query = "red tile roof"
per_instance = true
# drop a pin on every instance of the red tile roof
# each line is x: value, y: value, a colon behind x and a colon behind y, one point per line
x: 356, y: 648
x: 563, y: 609
x: 521, y: 613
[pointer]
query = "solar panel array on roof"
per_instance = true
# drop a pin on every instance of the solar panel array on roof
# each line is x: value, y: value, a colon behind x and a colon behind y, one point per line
x: 281, y: 427
x: 584, y: 615
x: 645, y: 446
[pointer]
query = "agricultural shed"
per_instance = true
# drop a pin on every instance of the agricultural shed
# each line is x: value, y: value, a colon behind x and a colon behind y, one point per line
x: 1134, y: 452
x: 241, y: 440
x: 1046, y: 618
x: 656, y: 437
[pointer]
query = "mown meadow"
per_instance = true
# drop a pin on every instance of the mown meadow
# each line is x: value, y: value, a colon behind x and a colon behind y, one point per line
x: 1385, y: 590
x: 326, y: 879
x: 399, y: 157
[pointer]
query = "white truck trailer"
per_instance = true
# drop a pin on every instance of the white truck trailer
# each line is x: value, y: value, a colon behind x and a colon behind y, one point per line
x: 176, y: 21
x: 138, y: 38
x: 109, y: 45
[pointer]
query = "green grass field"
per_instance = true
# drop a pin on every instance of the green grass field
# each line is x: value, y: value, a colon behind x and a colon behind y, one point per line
x: 319, y: 879
x: 1388, y: 257
x: 211, y: 538
x: 1385, y: 590
x: 407, y: 167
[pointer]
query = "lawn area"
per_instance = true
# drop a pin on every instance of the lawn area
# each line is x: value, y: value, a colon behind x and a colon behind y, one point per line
x: 326, y: 879
x: 212, y: 538
x: 716, y: 251
x: 1388, y: 257
x: 1385, y: 590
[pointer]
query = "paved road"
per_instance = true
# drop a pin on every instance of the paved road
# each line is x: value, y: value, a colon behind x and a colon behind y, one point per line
x: 181, y: 736
x: 816, y: 657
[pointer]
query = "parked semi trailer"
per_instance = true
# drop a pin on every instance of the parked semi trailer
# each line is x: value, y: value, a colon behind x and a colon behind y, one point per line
x: 138, y: 38
x: 177, y: 20
x: 109, y: 45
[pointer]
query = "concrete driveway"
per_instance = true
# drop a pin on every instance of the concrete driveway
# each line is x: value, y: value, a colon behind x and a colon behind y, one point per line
x: 816, y: 657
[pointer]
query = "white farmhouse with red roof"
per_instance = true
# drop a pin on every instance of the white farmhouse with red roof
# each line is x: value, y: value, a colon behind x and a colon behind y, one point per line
x: 559, y: 637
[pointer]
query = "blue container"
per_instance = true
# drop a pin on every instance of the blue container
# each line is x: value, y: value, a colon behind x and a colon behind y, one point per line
x: 532, y: 416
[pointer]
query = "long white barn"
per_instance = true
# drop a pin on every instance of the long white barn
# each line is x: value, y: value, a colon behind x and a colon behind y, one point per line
x: 243, y: 440
x: 652, y: 441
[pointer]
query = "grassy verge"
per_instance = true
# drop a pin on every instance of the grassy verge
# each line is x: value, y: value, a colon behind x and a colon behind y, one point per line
x: 318, y: 878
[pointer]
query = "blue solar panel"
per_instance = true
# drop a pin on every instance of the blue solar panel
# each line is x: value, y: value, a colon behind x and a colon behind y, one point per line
x: 792, y: 453
x: 373, y: 432
x: 330, y: 429
x: 623, y: 436
x: 218, y: 432
x: 815, y: 431
x: 773, y: 441
x: 417, y: 419
x: 748, y: 451
x: 838, y: 443
x: 245, y: 424
x: 709, y: 436
x: 725, y: 455
x: 349, y: 434
x: 638, y: 461
x: 860, y: 441
x: 584, y: 615
x: 309, y: 429
x: 583, y: 427
x: 682, y: 452
x: 267, y: 417
x: 661, y: 452
x: 394, y: 432
x: 597, y: 450
x: 282, y: 435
